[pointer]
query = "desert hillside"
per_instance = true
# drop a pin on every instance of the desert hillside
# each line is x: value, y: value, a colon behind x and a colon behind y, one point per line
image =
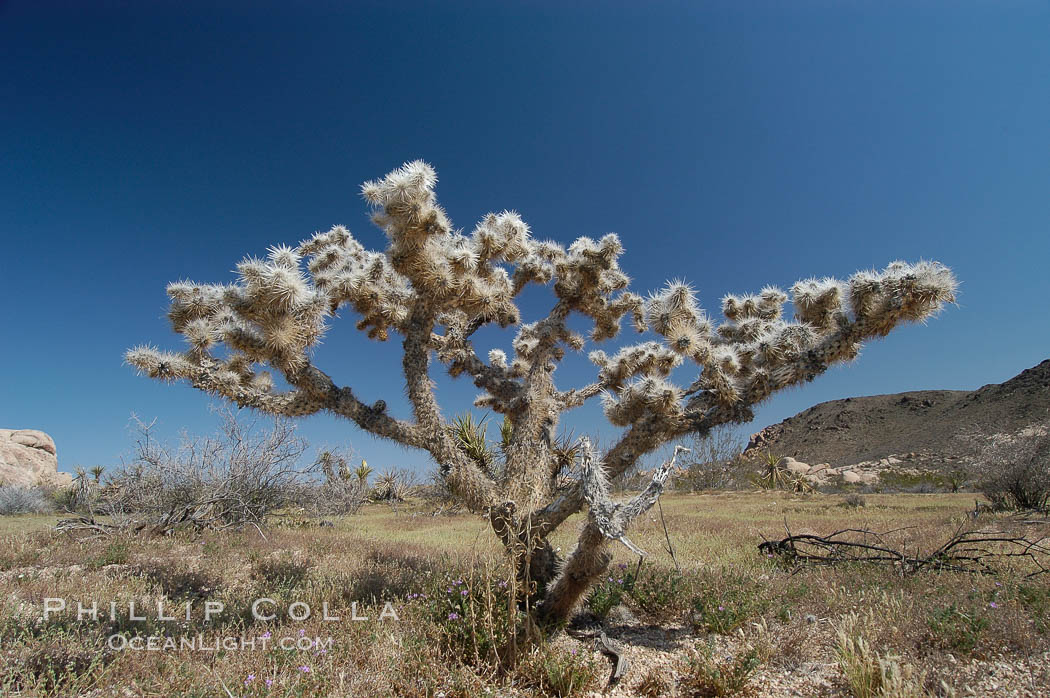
x: 931, y: 425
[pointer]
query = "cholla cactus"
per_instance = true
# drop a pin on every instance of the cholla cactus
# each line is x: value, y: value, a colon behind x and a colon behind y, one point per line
x: 434, y: 287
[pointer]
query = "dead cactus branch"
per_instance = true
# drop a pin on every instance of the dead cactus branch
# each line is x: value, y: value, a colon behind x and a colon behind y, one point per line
x: 612, y: 519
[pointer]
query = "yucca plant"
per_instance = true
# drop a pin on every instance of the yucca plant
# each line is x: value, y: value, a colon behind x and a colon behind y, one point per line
x: 362, y: 472
x: 81, y: 493
x: 506, y: 430
x: 774, y: 476
x: 434, y: 287
x: 472, y: 439
x: 329, y: 463
x: 391, y: 486
x: 777, y: 477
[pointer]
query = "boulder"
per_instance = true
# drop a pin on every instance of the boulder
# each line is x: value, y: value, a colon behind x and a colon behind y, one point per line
x: 816, y: 479
x: 28, y: 457
x: 859, y: 477
x: 821, y: 474
x: 794, y: 466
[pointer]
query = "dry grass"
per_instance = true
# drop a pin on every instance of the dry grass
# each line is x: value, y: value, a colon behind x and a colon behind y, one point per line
x: 444, y: 577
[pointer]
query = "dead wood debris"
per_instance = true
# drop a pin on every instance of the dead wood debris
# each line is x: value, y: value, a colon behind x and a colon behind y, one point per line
x: 973, y: 551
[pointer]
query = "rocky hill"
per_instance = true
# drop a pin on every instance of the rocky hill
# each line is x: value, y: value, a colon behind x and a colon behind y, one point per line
x: 928, y: 428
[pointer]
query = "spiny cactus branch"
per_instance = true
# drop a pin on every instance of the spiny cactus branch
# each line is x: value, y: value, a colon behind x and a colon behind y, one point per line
x: 435, y: 286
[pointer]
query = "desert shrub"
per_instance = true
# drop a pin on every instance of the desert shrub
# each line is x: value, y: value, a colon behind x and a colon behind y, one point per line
x: 339, y: 491
x: 60, y: 664
x: 179, y: 582
x: 705, y: 675
x: 23, y: 500
x: 66, y: 499
x: 654, y: 683
x: 659, y: 592
x: 953, y: 628
x: 957, y: 479
x: 853, y: 501
x: 611, y: 591
x: 725, y: 601
x: 1017, y: 469
x: 790, y: 644
x: 116, y: 552
x: 470, y: 613
x: 1036, y: 601
x: 228, y: 481
x: 924, y: 482
x: 714, y: 462
x: 282, y: 572
x: 559, y: 672
x: 388, y: 574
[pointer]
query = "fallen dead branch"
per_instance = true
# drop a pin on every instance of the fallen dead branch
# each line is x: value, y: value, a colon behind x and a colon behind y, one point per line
x: 608, y: 648
x: 214, y: 514
x: 974, y: 551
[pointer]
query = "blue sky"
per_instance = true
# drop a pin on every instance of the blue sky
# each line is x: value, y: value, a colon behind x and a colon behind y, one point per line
x: 730, y: 144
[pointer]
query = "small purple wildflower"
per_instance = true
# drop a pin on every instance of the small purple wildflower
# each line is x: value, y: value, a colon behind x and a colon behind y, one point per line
x: 463, y: 593
x: 302, y: 632
x: 265, y: 635
x: 249, y: 679
x: 269, y: 682
x: 453, y: 616
x: 994, y: 605
x: 305, y: 669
